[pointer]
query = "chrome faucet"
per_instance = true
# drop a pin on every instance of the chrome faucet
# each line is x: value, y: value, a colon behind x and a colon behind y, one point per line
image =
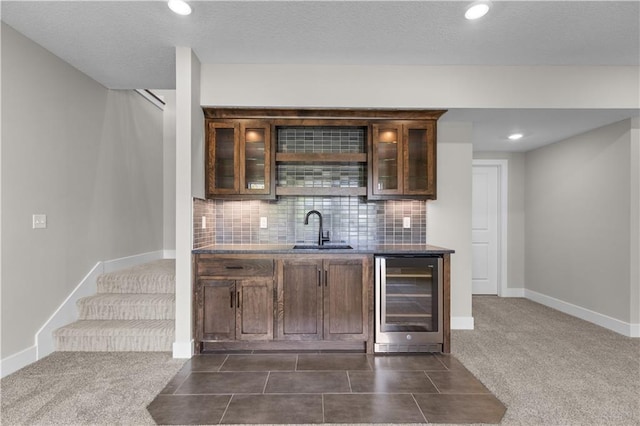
x: 321, y: 237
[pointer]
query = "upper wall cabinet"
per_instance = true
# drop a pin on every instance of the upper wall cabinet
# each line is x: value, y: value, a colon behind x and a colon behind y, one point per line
x: 239, y: 160
x: 383, y: 154
x: 402, y: 161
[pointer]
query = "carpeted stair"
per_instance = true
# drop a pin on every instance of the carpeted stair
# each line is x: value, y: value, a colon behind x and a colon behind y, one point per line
x: 134, y: 310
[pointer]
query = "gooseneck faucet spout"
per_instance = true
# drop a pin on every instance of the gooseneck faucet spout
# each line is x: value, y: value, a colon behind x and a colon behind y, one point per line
x: 321, y: 237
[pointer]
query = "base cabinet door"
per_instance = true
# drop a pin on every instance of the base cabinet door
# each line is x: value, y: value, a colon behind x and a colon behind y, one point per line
x: 323, y: 299
x: 235, y: 310
x: 299, y: 300
x: 254, y: 310
x: 345, y: 307
x: 217, y: 310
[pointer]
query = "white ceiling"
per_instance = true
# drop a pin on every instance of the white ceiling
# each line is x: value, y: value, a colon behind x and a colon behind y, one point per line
x: 130, y: 44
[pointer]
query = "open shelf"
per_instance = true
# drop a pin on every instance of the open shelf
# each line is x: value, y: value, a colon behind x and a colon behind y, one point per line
x: 328, y: 157
x: 334, y: 191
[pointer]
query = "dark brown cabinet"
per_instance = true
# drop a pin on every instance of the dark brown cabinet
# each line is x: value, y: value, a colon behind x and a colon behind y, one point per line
x: 239, y: 160
x: 237, y: 310
x: 345, y: 300
x: 233, y: 299
x: 286, y: 301
x: 299, y: 291
x: 403, y: 160
x: 398, y: 160
x: 215, y: 299
x: 322, y: 299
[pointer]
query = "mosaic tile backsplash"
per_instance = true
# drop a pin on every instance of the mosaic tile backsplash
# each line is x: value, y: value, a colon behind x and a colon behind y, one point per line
x: 353, y: 220
x: 309, y: 139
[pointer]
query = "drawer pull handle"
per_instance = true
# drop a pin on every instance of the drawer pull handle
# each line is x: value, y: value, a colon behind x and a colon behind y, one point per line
x: 234, y: 267
x: 231, y: 298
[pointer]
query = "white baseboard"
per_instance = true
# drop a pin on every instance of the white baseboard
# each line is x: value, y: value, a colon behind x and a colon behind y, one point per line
x: 67, y: 312
x: 168, y: 254
x: 183, y: 349
x: 462, y: 323
x: 613, y: 324
x: 15, y: 362
x: 513, y: 292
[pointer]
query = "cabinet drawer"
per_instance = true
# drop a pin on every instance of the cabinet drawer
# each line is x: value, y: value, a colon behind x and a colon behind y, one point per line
x: 229, y: 267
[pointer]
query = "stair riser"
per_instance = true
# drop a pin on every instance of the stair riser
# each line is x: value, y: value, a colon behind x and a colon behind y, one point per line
x: 136, y: 287
x: 115, y: 344
x: 136, y: 312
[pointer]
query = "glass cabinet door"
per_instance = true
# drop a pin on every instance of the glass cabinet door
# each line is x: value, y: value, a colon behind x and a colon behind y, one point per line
x: 387, y: 164
x: 256, y: 154
x: 222, y: 162
x: 403, y: 160
x: 419, y: 156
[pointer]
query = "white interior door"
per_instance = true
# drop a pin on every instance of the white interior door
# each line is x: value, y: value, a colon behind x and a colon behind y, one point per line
x: 485, y: 230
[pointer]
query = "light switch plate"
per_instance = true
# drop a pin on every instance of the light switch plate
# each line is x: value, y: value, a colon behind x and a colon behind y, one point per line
x: 39, y: 221
x: 263, y: 222
x: 406, y: 222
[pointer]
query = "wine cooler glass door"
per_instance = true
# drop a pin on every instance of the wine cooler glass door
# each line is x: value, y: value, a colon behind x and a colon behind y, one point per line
x: 409, y: 300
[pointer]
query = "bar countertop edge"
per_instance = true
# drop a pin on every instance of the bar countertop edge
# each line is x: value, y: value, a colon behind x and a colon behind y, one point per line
x: 408, y: 249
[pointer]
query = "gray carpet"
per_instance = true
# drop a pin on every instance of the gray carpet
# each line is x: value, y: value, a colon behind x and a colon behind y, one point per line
x: 549, y: 368
x: 83, y: 388
x: 546, y: 367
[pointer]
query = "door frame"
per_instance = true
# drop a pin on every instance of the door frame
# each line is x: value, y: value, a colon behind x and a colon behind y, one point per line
x: 503, y: 209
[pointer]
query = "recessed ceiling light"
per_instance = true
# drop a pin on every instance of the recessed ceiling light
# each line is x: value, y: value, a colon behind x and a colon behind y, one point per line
x: 477, y: 10
x: 180, y: 7
x: 515, y: 136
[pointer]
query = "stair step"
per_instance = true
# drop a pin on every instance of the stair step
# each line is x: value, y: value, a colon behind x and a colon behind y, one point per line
x: 116, y: 335
x: 153, y: 277
x: 121, y: 306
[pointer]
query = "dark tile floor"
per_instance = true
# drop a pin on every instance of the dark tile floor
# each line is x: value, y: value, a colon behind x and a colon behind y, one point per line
x: 291, y: 388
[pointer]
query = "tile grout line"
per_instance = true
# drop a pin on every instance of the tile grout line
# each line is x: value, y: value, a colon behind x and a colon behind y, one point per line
x: 182, y: 382
x: 226, y: 408
x: 432, y: 382
x: 223, y: 362
x: 442, y: 362
x: 419, y: 408
x: 264, y: 388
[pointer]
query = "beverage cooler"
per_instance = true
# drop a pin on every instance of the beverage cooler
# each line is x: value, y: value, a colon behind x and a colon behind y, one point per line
x: 408, y: 299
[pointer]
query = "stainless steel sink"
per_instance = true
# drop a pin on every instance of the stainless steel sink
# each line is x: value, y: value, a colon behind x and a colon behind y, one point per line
x: 322, y: 247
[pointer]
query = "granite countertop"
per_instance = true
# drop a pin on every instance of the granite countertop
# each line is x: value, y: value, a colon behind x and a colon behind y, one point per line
x: 288, y: 249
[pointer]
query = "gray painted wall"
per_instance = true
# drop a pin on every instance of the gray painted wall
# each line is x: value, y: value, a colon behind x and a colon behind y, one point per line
x: 89, y: 158
x: 578, y: 220
x: 515, y: 213
x: 169, y: 168
x: 635, y: 223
